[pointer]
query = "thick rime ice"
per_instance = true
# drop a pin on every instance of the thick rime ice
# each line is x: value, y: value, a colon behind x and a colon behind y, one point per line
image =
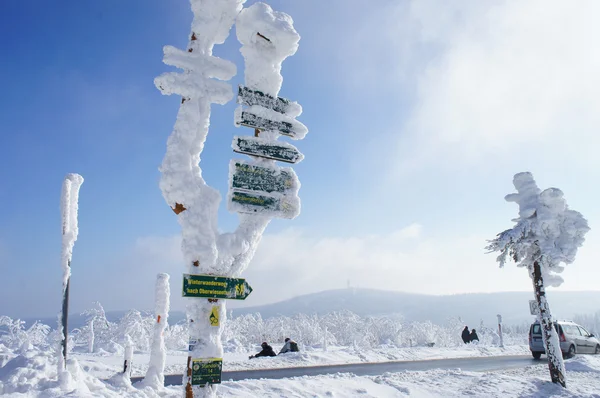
x: 69, y: 206
x: 268, y: 37
x: 545, y: 225
x: 155, y: 376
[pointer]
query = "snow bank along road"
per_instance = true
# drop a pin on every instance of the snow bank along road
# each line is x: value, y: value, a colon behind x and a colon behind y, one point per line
x: 481, y: 364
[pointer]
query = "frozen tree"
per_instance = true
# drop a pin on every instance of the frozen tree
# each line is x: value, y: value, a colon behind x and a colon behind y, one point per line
x: 205, y: 250
x: 546, y: 235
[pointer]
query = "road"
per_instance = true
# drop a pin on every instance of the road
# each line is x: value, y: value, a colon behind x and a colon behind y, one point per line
x: 481, y: 364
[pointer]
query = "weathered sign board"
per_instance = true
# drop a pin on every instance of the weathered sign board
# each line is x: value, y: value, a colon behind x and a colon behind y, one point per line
x: 246, y: 176
x: 206, y: 371
x: 268, y: 149
x: 253, y: 203
x: 251, y: 97
x: 249, y: 119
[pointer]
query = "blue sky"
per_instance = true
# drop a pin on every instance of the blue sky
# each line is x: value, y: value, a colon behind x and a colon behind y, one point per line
x: 418, y: 115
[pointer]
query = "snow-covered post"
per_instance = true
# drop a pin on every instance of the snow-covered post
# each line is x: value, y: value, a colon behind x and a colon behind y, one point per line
x: 91, y: 336
x: 547, y: 234
x: 155, y: 376
x: 500, y: 330
x: 69, y: 206
x: 128, y: 356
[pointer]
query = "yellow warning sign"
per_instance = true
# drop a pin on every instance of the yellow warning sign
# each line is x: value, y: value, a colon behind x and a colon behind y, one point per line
x: 214, y: 316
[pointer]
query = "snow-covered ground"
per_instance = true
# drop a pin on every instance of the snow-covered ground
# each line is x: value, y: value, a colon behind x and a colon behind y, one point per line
x: 104, y: 366
x: 33, y: 374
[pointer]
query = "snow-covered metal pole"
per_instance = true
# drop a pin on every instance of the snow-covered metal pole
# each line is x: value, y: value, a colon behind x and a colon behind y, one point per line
x: 155, y: 376
x: 546, y: 235
x: 69, y: 206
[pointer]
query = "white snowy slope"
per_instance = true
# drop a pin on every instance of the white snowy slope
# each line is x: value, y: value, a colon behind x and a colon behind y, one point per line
x: 33, y: 375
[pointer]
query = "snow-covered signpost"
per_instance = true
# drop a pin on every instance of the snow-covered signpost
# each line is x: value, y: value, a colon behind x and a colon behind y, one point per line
x: 547, y: 234
x: 259, y: 190
x: 69, y: 206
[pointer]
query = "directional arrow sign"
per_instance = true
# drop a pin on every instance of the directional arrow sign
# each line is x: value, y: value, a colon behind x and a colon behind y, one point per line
x: 253, y: 203
x: 249, y: 119
x: 268, y: 149
x: 250, y: 97
x: 265, y: 179
x: 215, y: 287
x: 265, y: 119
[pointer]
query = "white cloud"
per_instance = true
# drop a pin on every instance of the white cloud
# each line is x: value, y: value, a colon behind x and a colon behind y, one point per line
x: 501, y: 78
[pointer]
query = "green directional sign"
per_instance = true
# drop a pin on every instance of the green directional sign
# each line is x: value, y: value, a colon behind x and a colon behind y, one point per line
x: 250, y: 97
x: 264, y: 179
x: 215, y: 287
x: 253, y: 203
x: 268, y: 149
x: 249, y: 119
x: 206, y: 371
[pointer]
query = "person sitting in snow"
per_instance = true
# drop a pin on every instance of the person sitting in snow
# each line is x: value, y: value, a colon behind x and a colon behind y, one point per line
x: 473, y: 336
x: 267, y: 351
x: 289, y: 346
x: 466, y: 336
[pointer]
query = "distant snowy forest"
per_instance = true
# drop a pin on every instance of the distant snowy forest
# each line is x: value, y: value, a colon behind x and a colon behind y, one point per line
x: 243, y: 333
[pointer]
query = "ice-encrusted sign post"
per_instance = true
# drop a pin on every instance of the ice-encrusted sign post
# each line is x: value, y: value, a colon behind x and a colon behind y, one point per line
x: 69, y: 207
x: 546, y: 235
x: 206, y: 252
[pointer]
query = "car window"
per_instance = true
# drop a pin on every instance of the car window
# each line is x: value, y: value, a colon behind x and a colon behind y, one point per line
x: 576, y: 331
x: 583, y: 331
x: 536, y: 329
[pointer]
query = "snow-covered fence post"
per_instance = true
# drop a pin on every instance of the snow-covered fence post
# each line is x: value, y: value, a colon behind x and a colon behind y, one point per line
x: 155, y: 376
x: 69, y: 206
x: 212, y: 259
x: 547, y: 234
x: 500, y: 330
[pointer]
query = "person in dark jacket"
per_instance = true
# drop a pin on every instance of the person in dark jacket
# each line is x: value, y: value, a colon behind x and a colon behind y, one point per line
x: 466, y: 336
x: 473, y: 336
x: 289, y: 346
x: 267, y: 351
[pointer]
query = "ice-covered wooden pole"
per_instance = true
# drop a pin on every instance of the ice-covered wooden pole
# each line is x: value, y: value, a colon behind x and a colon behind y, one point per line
x: 546, y: 235
x: 155, y: 376
x: 69, y: 206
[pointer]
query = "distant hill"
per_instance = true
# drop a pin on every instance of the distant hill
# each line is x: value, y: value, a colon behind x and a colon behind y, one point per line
x: 472, y: 307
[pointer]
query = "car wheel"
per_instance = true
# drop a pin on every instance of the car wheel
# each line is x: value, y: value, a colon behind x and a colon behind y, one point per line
x: 571, y: 352
x: 597, y: 350
x: 536, y: 355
